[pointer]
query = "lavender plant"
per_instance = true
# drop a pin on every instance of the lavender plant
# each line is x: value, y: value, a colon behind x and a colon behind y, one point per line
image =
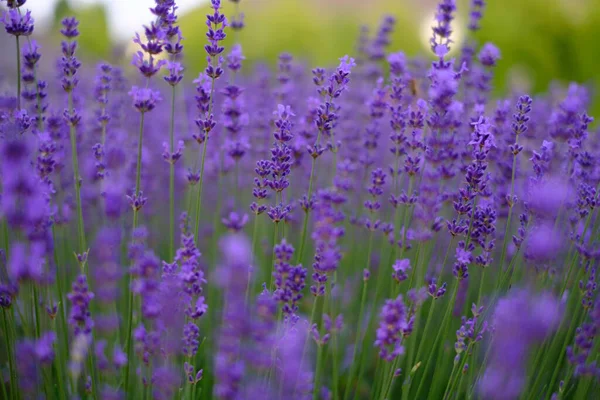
x: 391, y: 184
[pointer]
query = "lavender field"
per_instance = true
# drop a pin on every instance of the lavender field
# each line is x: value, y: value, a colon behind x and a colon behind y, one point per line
x: 383, y: 228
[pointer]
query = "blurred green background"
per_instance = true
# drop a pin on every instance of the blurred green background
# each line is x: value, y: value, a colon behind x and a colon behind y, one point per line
x: 540, y: 40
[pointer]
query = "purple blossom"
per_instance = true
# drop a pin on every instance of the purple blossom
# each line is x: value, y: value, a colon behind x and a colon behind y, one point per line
x: 401, y: 268
x: 17, y: 24
x: 392, y: 322
x: 520, y: 320
x: 144, y: 99
x: 80, y: 317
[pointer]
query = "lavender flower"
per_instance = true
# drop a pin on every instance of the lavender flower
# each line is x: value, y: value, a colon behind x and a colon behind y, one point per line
x: 391, y: 324
x: 533, y: 317
x: 17, y: 24
x: 80, y: 317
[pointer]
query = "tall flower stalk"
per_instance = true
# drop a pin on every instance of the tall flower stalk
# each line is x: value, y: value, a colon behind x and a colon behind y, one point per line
x: 69, y: 81
x: 144, y: 100
x: 216, y: 23
x: 324, y: 122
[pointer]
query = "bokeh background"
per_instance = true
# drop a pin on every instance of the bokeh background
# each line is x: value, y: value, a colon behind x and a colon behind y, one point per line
x: 541, y: 40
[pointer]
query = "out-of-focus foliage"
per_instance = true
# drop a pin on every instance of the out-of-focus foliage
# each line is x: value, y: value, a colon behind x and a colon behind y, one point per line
x: 540, y: 40
x: 94, y: 39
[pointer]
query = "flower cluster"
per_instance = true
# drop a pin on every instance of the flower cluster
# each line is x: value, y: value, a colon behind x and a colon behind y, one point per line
x: 392, y: 180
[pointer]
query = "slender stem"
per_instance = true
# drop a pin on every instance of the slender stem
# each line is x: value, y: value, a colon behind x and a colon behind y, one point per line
x: 128, y: 339
x: 248, y: 284
x: 207, y: 115
x: 18, y: 73
x: 307, y: 338
x: 548, y: 346
x: 4, y: 392
x: 450, y: 381
x: 172, y: 179
x: 566, y: 382
x: 9, y: 355
x: 275, y: 229
x: 510, y: 209
x: 405, y: 223
x: 77, y: 181
x: 138, y: 171
x: 316, y: 392
x: 575, y: 256
x: 481, y: 281
x: 359, y: 324
x: 36, y: 312
x: 307, y: 211
x: 320, y: 346
x: 563, y: 349
x: 199, y: 198
x: 306, y: 214
x: 390, y: 380
x: 334, y: 356
x: 63, y: 341
x: 6, y: 238
x: 438, y: 338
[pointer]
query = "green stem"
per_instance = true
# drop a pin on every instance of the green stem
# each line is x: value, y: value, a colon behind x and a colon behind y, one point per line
x: 510, y: 209
x: 307, y: 338
x: 445, y: 259
x: 353, y: 365
x: 9, y: 355
x: 275, y: 228
x: 248, y: 284
x: 6, y: 238
x: 563, y: 349
x: 316, y: 391
x: 36, y: 312
x: 426, y: 330
x: 389, y: 383
x: 63, y: 339
x: 453, y: 381
x: 334, y: 355
x: 77, y: 181
x: 199, y: 196
x: 4, y: 392
x: 438, y: 338
x: 307, y: 212
x: 481, y: 281
x: 406, y: 213
x: 18, y: 73
x: 450, y: 381
x: 566, y: 382
x: 172, y: 179
x: 129, y: 341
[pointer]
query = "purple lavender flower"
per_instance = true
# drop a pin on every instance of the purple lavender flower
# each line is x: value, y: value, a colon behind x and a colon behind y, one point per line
x: 470, y: 332
x: 520, y: 320
x: 17, y: 24
x: 235, y: 58
x: 326, y: 234
x: 80, y: 317
x: 392, y: 322
x: 475, y: 14
x: 175, y: 73
x: 235, y: 222
x: 289, y: 281
x: 401, y: 267
x: 489, y: 55
x: 69, y: 63
x: 144, y: 99
x: 44, y: 350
